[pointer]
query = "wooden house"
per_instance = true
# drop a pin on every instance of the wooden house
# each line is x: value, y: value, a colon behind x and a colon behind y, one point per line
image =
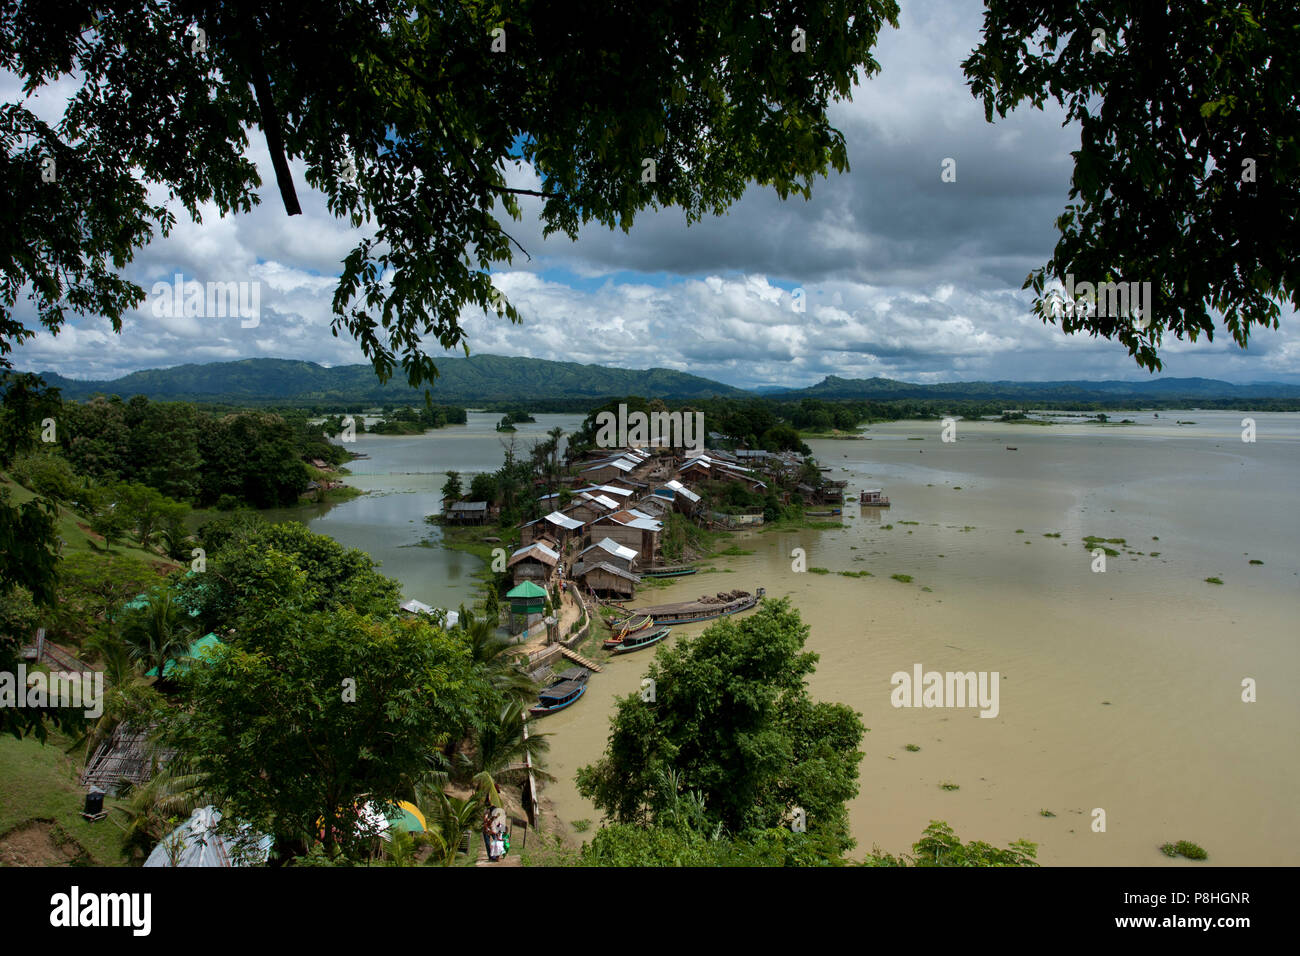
x: 466, y: 512
x: 533, y: 562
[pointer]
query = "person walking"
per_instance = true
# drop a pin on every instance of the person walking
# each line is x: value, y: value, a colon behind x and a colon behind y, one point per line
x: 489, y: 831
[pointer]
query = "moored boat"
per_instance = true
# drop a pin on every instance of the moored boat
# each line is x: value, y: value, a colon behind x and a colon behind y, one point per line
x: 642, y: 640
x: 637, y: 621
x: 873, y: 498
x: 558, y: 696
x: 667, y: 572
x: 732, y: 602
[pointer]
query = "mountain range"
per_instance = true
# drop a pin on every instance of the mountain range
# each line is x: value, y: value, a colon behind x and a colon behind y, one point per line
x: 497, y: 378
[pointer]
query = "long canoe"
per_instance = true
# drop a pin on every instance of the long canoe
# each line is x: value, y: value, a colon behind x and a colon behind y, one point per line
x: 641, y: 641
x: 668, y: 572
x: 692, y: 611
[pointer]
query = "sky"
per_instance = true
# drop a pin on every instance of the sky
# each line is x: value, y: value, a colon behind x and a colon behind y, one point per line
x: 900, y: 274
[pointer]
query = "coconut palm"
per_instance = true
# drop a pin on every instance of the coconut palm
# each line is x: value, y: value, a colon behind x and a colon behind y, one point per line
x: 448, y: 818
x: 157, y: 633
x: 152, y: 810
x: 501, y: 751
x: 496, y: 657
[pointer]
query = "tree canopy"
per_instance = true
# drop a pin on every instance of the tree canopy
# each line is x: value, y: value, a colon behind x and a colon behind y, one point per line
x: 407, y: 114
x: 732, y: 721
x: 1187, y: 174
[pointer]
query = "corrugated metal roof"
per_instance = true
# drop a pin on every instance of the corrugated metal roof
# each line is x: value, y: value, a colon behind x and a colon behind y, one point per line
x: 564, y: 521
x: 545, y: 554
x: 583, y: 568
x: 613, y: 547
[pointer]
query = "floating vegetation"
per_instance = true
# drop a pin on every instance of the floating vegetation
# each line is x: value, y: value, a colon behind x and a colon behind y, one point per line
x: 1046, y: 813
x: 909, y: 522
x: 888, y: 527
x: 1213, y: 581
x: 927, y: 588
x: 819, y: 570
x: 905, y: 578
x: 1155, y: 554
x: 912, y: 748
x: 734, y: 551
x: 1184, y: 848
x: 856, y: 574
x: 1020, y: 531
x: 969, y: 527
x: 1255, y: 561
x: 956, y: 487
x: 948, y: 786
x: 1052, y: 534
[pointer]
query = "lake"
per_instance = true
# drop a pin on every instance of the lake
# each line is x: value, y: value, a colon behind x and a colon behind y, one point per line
x: 1120, y: 690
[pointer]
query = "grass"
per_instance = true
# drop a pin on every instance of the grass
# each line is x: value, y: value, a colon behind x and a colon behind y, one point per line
x: 735, y: 551
x: 38, y: 782
x: 581, y: 826
x: 1184, y: 848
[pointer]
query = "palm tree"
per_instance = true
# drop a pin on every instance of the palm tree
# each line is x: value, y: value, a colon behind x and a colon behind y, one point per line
x: 448, y: 819
x: 154, y: 809
x: 127, y: 696
x: 157, y: 633
x: 496, y: 657
x: 501, y: 751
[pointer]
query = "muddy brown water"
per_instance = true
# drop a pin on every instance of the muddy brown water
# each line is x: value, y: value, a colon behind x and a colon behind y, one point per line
x: 1119, y: 691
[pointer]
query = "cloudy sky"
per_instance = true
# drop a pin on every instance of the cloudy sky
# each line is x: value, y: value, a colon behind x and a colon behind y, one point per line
x: 903, y: 275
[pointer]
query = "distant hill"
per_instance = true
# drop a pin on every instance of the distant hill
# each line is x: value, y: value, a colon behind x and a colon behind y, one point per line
x: 497, y: 378
x: 1164, y: 389
x: 479, y: 378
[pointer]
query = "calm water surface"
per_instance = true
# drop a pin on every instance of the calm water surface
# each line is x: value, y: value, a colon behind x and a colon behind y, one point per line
x: 1118, y: 690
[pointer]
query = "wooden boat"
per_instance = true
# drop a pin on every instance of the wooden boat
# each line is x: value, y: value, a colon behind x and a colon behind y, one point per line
x: 558, y: 696
x: 823, y: 514
x: 577, y: 674
x: 638, y: 621
x: 873, y: 498
x: 667, y: 572
x: 691, y: 611
x: 642, y: 640
x: 1012, y: 448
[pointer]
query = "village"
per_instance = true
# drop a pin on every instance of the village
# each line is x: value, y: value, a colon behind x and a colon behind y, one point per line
x: 603, y: 534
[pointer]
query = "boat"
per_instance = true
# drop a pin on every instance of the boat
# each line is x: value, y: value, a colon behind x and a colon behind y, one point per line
x: 558, y: 696
x: 642, y: 640
x: 728, y: 602
x: 873, y: 498
x: 637, y: 621
x: 1012, y: 448
x: 675, y: 572
x: 823, y: 514
x: 577, y: 674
